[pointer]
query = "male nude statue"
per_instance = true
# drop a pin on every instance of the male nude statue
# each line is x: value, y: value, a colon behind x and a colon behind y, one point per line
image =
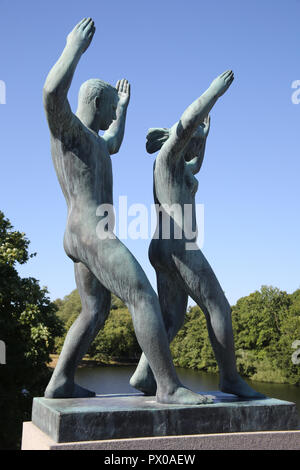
x: 102, y: 264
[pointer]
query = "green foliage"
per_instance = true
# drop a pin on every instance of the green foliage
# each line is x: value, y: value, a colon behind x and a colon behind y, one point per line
x: 265, y: 324
x: 191, y: 347
x: 257, y: 319
x: 69, y: 307
x: 115, y: 341
x: 28, y: 325
x: 290, y: 332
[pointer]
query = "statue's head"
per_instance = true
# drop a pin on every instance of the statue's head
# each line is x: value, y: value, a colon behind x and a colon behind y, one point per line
x: 97, y: 102
x: 156, y: 137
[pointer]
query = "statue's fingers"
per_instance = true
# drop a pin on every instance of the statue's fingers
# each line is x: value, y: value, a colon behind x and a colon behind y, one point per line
x: 84, y: 22
x: 92, y: 32
x: 228, y: 74
x: 87, y: 23
x: 80, y: 23
x: 210, y: 397
x: 122, y: 85
x: 90, y: 26
x: 229, y: 80
x: 225, y: 73
x: 125, y: 85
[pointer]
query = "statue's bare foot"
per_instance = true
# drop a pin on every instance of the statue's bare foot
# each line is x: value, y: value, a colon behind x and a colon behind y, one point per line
x: 67, y: 390
x: 144, y: 382
x: 183, y: 396
x: 240, y: 388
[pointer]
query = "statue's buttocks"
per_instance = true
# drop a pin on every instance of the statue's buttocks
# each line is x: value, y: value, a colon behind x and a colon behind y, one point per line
x: 84, y: 171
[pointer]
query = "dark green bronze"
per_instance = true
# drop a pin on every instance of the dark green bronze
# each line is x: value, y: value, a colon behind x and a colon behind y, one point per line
x: 102, y: 263
x: 181, y: 268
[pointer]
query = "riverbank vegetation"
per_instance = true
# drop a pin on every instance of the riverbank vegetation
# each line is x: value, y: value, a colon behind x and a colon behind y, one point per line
x: 266, y: 323
x: 115, y: 343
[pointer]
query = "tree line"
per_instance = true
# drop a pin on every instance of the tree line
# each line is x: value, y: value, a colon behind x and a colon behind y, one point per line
x: 266, y: 324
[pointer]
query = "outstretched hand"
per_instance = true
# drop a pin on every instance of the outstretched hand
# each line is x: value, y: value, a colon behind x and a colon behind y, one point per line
x: 81, y: 36
x: 123, y: 89
x: 223, y: 82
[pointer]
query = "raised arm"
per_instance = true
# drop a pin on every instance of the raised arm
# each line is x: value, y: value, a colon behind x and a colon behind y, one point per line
x: 115, y: 133
x: 202, y: 133
x: 59, y: 79
x: 192, y: 117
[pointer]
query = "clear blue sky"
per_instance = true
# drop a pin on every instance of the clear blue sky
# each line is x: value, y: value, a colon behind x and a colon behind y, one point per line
x: 170, y: 51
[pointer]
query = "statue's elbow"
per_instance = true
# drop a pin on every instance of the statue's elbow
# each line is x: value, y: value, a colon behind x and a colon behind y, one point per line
x: 48, y: 90
x: 51, y: 98
x: 114, y: 149
x: 114, y: 145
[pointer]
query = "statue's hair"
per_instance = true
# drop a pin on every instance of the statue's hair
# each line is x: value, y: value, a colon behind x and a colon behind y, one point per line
x: 156, y: 137
x: 92, y: 88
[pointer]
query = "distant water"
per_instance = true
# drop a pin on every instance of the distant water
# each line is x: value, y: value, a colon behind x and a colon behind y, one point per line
x: 115, y: 379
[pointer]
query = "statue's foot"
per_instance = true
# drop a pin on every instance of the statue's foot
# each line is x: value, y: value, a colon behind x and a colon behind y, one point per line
x: 183, y: 396
x: 239, y: 387
x: 144, y: 382
x: 67, y: 390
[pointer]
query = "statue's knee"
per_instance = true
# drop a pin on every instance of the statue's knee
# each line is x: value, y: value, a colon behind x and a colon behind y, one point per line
x: 89, y: 316
x: 142, y: 295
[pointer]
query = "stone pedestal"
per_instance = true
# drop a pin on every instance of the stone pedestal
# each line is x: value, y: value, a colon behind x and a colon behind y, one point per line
x: 135, y: 416
x: 35, y: 439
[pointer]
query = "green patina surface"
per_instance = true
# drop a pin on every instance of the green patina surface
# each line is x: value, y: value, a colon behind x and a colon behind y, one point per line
x: 135, y: 415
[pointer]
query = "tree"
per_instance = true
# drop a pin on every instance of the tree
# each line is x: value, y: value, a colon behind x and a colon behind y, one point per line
x: 265, y: 324
x: 28, y: 326
x: 115, y: 341
x: 191, y: 347
x: 290, y: 335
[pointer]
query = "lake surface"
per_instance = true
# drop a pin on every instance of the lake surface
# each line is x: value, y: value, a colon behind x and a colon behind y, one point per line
x: 115, y: 379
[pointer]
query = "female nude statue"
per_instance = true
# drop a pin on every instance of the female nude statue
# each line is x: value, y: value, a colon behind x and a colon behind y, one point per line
x: 181, y: 271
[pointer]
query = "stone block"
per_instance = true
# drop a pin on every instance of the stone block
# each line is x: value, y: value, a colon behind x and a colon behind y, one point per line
x: 137, y: 416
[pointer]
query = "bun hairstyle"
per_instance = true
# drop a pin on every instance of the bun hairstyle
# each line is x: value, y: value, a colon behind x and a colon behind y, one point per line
x: 156, y: 137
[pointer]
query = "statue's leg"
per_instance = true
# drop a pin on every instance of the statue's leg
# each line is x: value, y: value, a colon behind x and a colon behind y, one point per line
x: 202, y: 285
x: 95, y: 301
x: 173, y: 304
x: 118, y: 270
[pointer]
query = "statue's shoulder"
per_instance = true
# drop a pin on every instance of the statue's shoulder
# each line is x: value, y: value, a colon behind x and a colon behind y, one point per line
x: 72, y: 133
